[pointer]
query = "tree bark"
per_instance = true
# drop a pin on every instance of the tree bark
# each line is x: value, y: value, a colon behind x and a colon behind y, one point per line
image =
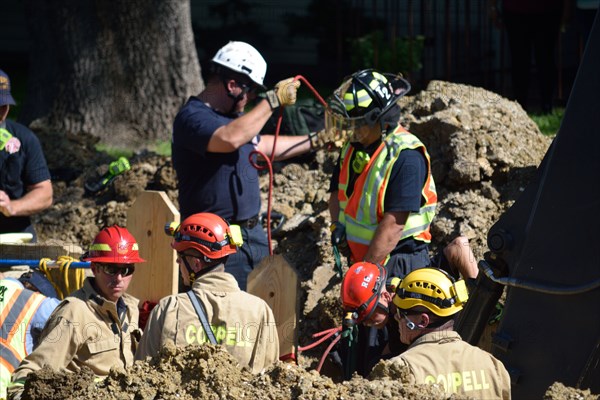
x: 116, y: 69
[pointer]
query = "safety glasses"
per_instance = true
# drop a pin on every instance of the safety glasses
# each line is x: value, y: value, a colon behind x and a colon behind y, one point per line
x: 249, y: 89
x: 401, y: 313
x: 341, y: 128
x: 114, y: 269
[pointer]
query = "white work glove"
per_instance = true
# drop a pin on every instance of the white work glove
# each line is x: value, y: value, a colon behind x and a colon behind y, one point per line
x: 15, y: 391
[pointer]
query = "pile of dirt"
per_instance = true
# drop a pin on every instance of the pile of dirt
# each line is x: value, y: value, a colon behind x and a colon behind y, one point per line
x: 484, y: 151
x: 209, y: 372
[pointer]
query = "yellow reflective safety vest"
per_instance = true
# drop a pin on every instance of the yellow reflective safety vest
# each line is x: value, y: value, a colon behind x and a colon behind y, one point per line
x: 362, y: 211
x: 18, y: 306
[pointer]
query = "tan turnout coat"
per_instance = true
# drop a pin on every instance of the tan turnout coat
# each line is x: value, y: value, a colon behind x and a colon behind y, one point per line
x: 85, y: 330
x: 242, y: 323
x: 443, y: 357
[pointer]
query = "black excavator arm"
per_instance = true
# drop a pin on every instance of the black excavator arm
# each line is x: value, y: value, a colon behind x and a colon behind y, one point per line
x: 545, y: 251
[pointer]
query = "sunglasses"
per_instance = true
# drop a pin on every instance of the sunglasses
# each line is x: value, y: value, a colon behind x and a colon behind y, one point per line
x: 114, y: 269
x: 247, y: 88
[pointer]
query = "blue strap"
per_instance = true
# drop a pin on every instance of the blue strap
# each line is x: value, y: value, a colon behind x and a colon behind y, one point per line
x: 202, y: 315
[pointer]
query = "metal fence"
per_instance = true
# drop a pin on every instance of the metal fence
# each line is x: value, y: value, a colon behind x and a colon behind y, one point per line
x: 311, y: 37
x: 460, y: 43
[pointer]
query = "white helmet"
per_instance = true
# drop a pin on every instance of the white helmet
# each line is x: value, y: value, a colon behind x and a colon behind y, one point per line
x: 243, y: 58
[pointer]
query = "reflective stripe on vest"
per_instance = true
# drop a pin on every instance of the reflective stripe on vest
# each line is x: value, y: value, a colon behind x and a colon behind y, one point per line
x: 361, y: 212
x: 18, y: 308
x: 9, y: 360
x: 8, y: 363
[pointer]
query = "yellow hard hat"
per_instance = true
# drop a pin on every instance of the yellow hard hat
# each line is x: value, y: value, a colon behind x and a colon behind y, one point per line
x: 431, y: 288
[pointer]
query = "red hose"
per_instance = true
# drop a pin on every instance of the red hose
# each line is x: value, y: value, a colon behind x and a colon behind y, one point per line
x: 326, y: 335
x: 324, y: 356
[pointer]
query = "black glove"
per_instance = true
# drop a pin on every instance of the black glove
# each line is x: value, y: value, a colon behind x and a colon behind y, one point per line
x: 338, y: 238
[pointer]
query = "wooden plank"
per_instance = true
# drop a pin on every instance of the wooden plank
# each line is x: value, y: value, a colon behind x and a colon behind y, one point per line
x: 159, y: 275
x: 52, y: 250
x: 276, y: 282
x: 35, y: 251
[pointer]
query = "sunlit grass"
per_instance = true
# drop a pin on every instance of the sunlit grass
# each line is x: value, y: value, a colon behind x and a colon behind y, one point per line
x: 162, y: 148
x: 549, y: 123
x: 114, y: 152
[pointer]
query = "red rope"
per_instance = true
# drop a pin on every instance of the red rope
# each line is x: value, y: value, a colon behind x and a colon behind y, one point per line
x: 269, y: 165
x: 269, y: 160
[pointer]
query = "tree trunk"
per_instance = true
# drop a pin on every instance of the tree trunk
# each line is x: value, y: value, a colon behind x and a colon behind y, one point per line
x: 116, y: 69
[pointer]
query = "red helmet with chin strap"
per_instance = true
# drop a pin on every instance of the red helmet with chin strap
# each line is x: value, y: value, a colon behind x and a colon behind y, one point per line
x: 206, y: 232
x: 361, y: 288
x: 114, y: 245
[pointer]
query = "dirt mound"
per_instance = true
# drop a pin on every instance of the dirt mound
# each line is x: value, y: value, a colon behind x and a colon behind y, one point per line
x: 558, y: 391
x: 484, y: 151
x: 209, y: 372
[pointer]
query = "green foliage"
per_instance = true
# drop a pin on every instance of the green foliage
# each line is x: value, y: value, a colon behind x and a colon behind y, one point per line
x: 399, y: 55
x: 549, y: 123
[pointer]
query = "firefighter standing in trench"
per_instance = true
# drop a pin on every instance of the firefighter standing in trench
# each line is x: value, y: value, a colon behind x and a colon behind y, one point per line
x: 427, y: 301
x: 213, y: 130
x: 97, y: 325
x: 383, y: 196
x: 242, y: 323
x: 367, y: 295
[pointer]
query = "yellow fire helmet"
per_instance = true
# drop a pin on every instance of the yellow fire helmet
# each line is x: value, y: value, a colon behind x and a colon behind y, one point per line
x: 431, y: 288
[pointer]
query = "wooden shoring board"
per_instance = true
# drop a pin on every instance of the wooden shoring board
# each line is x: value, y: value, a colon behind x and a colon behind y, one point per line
x: 159, y: 275
x: 275, y: 281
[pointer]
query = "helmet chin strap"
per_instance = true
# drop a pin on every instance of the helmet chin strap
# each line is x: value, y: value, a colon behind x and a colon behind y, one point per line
x: 212, y: 264
x: 190, y: 271
x: 386, y: 309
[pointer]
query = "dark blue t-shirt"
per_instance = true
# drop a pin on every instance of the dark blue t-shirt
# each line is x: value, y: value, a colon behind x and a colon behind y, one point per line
x: 222, y: 183
x: 21, y: 169
x: 403, y: 193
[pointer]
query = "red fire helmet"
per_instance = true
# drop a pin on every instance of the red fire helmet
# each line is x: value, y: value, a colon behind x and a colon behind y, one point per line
x: 206, y: 232
x: 361, y: 288
x: 114, y: 245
